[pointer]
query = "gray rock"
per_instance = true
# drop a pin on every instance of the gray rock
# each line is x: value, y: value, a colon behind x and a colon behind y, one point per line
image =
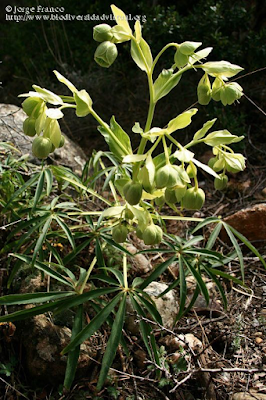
x: 11, y: 122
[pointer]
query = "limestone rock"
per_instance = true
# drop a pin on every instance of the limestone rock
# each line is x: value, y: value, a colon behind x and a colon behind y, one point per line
x: 43, y: 341
x: 167, y: 305
x: 11, y: 122
x: 251, y: 222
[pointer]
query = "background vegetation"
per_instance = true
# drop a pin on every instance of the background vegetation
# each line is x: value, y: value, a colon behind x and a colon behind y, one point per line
x: 236, y: 30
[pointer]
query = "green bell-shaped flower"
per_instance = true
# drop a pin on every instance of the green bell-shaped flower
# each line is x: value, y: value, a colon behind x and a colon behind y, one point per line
x: 102, y: 33
x: 169, y: 176
x: 193, y: 199
x: 132, y: 192
x: 119, y: 233
x: 231, y: 92
x: 41, y: 147
x: 152, y: 235
x: 221, y: 182
x: 204, y: 90
x: 29, y: 104
x: 29, y: 126
x: 105, y: 54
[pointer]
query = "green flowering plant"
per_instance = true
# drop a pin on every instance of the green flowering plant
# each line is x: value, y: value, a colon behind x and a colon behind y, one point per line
x: 140, y: 183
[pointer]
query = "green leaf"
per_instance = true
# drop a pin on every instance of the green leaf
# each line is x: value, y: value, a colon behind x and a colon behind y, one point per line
x: 32, y: 298
x: 165, y: 82
x: 151, y: 309
x: 65, y: 81
x: 29, y: 183
x: 237, y: 248
x: 47, y: 95
x: 49, y: 181
x: 113, y: 342
x: 99, y: 254
x: 66, y: 230
x: 199, y: 280
x: 73, y: 356
x: 217, y: 138
x: 39, y: 190
x: 118, y: 274
x: 43, y: 267
x: 121, y: 19
x: 83, y: 102
x: 31, y: 312
x: 219, y: 286
x: 226, y: 276
x: 201, y: 132
x: 213, y: 236
x: 183, y: 288
x: 181, y: 121
x: 157, y: 272
x: 247, y: 243
x: 76, y: 251
x: 41, y: 239
x: 122, y: 145
x: 141, y: 54
x: 94, y: 325
x: 55, y: 133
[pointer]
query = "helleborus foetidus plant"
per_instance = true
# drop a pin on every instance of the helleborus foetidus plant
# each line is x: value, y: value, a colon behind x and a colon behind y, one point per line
x: 143, y: 181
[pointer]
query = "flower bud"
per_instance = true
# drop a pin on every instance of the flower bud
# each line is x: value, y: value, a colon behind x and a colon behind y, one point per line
x: 29, y: 126
x: 170, y: 196
x: 231, y: 92
x: 204, y: 90
x: 119, y: 233
x: 193, y: 199
x: 105, y: 54
x: 212, y: 161
x: 221, y: 182
x: 188, y: 48
x: 41, y: 147
x: 139, y: 233
x: 152, y: 235
x: 168, y: 176
x: 128, y: 214
x: 29, y: 104
x: 216, y: 89
x: 180, y: 193
x: 102, y: 33
x: 159, y: 201
x: 180, y: 59
x: 132, y: 192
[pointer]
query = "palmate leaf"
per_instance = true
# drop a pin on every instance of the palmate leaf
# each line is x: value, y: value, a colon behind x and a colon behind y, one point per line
x: 94, y: 325
x: 45, y: 268
x: 73, y: 356
x: 113, y: 342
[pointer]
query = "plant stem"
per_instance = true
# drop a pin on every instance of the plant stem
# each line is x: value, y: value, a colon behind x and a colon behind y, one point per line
x: 125, y: 271
x: 161, y: 52
x: 166, y: 151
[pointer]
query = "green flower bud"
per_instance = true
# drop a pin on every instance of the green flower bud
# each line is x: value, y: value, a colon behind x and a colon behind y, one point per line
x: 180, y: 59
x: 212, y: 161
x: 62, y: 141
x: 193, y: 199
x: 204, y: 90
x: 128, y: 214
x: 216, y: 89
x: 29, y: 104
x: 170, y: 196
x: 133, y: 192
x: 188, y: 48
x: 221, y: 183
x: 41, y: 147
x: 231, y: 92
x: 105, y: 54
x: 139, y: 233
x: 102, y: 33
x: 168, y: 176
x: 119, y: 233
x: 145, y: 179
x: 219, y: 165
x: 159, y: 201
x: 29, y: 126
x: 234, y: 162
x: 152, y: 235
x: 191, y: 170
x: 180, y: 193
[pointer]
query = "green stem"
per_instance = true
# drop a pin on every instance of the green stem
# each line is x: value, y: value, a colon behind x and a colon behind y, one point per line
x: 166, y: 151
x: 111, y: 185
x: 125, y: 271
x: 161, y: 52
